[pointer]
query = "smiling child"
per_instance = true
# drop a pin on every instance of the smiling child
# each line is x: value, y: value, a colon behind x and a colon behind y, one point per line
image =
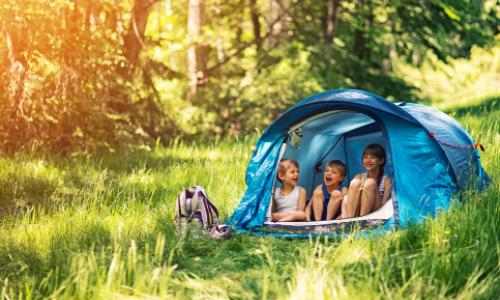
x: 327, y: 197
x: 289, y: 201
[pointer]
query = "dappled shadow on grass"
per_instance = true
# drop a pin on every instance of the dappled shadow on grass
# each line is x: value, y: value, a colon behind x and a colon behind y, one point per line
x: 252, y: 262
x: 140, y: 176
x: 203, y: 257
x: 24, y: 190
x: 125, y: 163
x: 43, y: 263
x: 25, y: 183
x: 242, y: 258
x: 149, y: 176
x: 165, y: 158
x: 70, y: 240
x: 208, y: 258
x: 18, y: 260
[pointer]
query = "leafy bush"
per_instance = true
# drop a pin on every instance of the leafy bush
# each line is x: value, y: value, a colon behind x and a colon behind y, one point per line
x: 65, y: 85
x: 459, y: 81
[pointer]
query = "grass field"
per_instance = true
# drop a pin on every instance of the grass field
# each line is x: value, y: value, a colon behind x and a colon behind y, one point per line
x: 101, y: 228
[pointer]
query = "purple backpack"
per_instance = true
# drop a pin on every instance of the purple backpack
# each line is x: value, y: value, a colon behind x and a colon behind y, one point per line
x: 194, y: 207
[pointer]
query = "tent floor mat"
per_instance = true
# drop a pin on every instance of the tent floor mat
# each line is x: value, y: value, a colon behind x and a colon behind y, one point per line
x: 376, y: 218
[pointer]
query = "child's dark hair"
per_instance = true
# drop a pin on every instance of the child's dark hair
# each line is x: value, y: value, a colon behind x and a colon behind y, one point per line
x: 284, y: 165
x: 337, y: 164
x: 379, y: 152
x: 375, y: 150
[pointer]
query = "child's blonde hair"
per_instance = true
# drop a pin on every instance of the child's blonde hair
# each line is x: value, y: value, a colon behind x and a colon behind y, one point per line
x: 284, y: 165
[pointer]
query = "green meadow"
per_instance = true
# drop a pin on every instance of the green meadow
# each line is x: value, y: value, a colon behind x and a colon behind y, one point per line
x: 101, y: 227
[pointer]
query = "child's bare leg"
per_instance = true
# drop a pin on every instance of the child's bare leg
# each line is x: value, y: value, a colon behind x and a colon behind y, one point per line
x: 317, y: 205
x: 334, y: 204
x: 308, y: 212
x: 293, y: 216
x: 368, y: 197
x: 343, y: 210
x: 353, y: 199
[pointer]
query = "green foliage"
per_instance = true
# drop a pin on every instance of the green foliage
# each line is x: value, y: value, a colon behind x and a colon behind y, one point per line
x: 71, y: 86
x: 255, y: 100
x: 457, y: 82
x: 252, y: 79
x: 64, y: 84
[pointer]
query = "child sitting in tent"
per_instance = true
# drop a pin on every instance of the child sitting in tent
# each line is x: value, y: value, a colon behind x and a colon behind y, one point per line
x: 289, y: 201
x: 370, y: 190
x: 327, y: 197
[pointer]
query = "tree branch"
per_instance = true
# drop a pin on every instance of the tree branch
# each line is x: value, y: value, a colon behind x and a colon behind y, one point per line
x: 246, y: 45
x: 134, y: 39
x: 163, y: 70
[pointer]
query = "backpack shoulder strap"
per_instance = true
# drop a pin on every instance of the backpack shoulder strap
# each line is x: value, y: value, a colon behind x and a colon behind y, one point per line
x: 209, y: 212
x: 183, y: 207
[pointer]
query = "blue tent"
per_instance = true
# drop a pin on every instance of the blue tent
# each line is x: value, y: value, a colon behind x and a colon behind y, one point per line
x: 429, y: 157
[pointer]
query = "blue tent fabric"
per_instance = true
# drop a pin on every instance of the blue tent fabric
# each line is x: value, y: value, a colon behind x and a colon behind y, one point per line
x: 359, y: 100
x: 430, y: 156
x: 260, y: 179
x: 455, y: 142
x: 418, y: 165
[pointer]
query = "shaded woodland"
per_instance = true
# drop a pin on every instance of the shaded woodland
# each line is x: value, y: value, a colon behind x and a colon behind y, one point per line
x: 93, y: 75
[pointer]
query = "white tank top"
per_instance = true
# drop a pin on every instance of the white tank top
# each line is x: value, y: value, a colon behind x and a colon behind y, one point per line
x: 286, y: 203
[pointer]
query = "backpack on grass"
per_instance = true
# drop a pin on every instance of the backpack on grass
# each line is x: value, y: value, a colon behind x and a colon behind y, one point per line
x: 193, y: 207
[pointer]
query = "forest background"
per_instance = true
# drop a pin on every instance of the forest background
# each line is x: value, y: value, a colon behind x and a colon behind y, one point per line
x: 110, y: 107
x: 88, y: 76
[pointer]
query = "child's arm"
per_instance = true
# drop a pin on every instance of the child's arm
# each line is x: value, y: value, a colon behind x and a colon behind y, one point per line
x: 301, y: 204
x: 387, y: 190
x: 344, y: 191
x: 277, y: 216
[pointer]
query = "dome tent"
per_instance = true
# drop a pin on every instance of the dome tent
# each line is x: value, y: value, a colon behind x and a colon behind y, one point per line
x: 429, y: 157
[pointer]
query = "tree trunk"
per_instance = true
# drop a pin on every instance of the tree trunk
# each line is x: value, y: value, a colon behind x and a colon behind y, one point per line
x: 134, y: 39
x: 196, y: 54
x: 331, y: 20
x: 359, y: 47
x: 254, y: 14
x: 18, y: 75
x: 370, y: 18
x: 241, y: 19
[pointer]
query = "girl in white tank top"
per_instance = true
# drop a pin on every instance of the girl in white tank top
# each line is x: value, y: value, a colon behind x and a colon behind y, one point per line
x: 289, y: 201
